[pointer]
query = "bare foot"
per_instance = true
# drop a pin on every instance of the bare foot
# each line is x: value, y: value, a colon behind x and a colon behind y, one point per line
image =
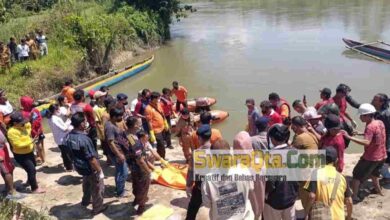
x: 38, y: 191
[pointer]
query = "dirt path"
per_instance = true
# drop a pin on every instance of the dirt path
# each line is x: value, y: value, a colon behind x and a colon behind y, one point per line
x: 62, y: 200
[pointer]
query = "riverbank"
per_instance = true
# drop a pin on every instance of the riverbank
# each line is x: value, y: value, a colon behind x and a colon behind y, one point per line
x: 63, y: 196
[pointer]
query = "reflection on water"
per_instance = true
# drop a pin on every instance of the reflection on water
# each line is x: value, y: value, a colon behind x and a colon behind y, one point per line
x: 232, y: 50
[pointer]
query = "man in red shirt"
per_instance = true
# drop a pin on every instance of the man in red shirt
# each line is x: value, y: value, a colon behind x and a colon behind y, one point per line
x: 79, y: 105
x: 167, y: 105
x: 268, y: 111
x: 334, y: 138
x: 340, y: 100
x: 281, y: 106
x: 325, y: 96
x: 181, y: 95
x: 374, y: 155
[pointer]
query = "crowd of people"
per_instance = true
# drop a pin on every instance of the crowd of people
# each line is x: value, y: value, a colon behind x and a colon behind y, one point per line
x: 134, y: 135
x: 31, y: 47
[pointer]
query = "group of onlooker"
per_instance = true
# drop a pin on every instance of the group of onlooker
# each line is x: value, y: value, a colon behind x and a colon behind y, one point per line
x: 31, y: 47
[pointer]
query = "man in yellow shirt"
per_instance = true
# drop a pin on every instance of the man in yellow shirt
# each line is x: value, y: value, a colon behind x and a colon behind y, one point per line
x: 322, y: 189
x: 19, y: 136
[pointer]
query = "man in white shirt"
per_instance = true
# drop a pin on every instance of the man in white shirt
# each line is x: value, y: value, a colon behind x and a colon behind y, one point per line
x: 60, y: 129
x: 23, y: 50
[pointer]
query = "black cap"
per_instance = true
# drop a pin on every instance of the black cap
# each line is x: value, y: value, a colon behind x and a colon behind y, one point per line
x: 121, y: 96
x: 262, y: 123
x: 104, y: 88
x: 17, y: 117
x: 332, y: 121
x: 279, y: 131
x: 204, y: 131
x: 331, y: 154
x: 326, y: 91
x: 330, y: 108
x: 343, y: 88
x: 250, y: 101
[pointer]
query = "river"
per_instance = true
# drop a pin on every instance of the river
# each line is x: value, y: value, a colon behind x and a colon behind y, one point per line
x: 233, y: 50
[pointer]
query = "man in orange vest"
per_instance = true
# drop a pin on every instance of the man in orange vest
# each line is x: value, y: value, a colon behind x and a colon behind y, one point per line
x: 157, y: 123
x: 68, y: 91
x: 281, y: 106
x: 181, y: 95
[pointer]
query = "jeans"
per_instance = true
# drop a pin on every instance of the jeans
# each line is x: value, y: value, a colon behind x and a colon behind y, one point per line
x: 66, y: 157
x: 28, y: 163
x: 121, y: 173
x: 93, y: 187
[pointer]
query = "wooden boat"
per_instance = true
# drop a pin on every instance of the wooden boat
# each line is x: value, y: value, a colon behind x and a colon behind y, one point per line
x: 203, y: 102
x: 117, y: 77
x: 369, y: 50
x: 109, y: 79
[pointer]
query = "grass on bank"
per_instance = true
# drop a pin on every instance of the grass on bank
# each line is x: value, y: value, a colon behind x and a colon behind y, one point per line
x: 42, y: 76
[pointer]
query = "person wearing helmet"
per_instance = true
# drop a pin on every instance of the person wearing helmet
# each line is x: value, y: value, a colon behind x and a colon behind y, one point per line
x: 374, y: 155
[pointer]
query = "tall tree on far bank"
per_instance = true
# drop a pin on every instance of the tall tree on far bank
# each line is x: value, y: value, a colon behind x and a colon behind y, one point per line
x: 164, y: 8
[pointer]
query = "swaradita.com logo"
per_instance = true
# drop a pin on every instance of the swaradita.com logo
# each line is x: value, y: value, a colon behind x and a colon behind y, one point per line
x: 242, y: 165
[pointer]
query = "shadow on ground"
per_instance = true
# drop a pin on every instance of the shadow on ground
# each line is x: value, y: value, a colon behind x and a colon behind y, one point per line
x: 69, y: 180
x: 180, y: 202
x: 51, y: 170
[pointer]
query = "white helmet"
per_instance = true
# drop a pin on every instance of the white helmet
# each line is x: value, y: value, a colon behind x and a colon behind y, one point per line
x: 366, y: 108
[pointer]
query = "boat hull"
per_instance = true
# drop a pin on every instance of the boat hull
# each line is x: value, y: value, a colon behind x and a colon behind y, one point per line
x: 109, y: 81
x: 375, y: 51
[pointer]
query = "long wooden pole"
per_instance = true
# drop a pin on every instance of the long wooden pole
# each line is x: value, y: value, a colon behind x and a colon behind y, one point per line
x: 384, y: 43
x: 367, y: 54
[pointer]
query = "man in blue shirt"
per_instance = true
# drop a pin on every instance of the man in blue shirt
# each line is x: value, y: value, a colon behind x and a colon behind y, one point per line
x: 85, y: 161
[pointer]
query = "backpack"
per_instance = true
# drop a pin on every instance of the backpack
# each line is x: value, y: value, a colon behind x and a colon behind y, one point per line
x: 322, y: 211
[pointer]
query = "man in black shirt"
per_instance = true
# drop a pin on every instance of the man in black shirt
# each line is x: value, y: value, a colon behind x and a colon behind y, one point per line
x: 12, y: 46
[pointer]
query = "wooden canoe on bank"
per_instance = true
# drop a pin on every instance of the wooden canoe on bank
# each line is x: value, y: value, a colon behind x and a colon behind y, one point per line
x: 369, y: 50
x: 109, y: 79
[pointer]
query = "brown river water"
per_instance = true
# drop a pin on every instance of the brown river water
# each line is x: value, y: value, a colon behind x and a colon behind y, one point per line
x: 233, y: 50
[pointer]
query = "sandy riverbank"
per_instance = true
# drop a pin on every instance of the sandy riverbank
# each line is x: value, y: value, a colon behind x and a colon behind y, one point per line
x: 61, y: 201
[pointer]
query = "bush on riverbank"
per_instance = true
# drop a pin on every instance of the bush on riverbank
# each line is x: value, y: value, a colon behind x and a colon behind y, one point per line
x: 83, y: 36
